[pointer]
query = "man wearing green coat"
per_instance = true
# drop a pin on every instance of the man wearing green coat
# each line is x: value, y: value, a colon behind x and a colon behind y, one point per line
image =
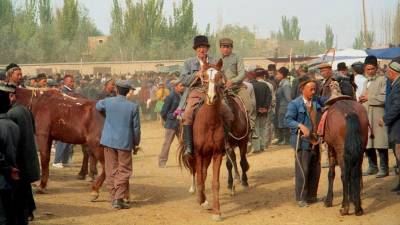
x: 233, y: 69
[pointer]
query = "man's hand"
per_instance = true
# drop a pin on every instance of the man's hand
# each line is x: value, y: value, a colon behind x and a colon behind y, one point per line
x: 363, y: 98
x: 228, y: 84
x: 14, y: 173
x: 178, y: 112
x: 262, y: 110
x: 135, y: 150
x: 381, y: 123
x: 304, y: 130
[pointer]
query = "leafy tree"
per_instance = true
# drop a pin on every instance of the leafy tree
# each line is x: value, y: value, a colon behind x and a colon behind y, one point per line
x: 396, y: 26
x: 290, y: 29
x: 361, y: 43
x: 329, y: 37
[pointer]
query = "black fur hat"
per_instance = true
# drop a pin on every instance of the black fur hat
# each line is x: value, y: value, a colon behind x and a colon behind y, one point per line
x: 11, y: 65
x: 199, y: 41
x: 341, y: 66
x: 371, y: 60
x: 284, y: 71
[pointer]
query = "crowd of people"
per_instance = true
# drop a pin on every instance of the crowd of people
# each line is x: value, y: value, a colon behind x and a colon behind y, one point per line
x: 273, y: 98
x: 280, y: 102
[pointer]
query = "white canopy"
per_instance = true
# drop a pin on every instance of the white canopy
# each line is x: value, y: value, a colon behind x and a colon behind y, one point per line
x: 348, y: 56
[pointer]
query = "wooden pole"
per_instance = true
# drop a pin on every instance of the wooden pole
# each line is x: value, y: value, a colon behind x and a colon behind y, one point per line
x: 366, y: 41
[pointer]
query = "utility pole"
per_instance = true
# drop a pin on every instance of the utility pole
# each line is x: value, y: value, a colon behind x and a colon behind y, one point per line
x: 366, y: 41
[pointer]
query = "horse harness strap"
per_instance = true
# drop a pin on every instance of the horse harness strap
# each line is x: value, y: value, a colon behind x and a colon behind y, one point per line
x: 32, y: 96
x: 233, y: 95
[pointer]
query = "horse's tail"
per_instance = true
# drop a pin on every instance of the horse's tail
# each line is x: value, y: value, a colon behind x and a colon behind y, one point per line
x: 353, y: 153
x: 188, y: 164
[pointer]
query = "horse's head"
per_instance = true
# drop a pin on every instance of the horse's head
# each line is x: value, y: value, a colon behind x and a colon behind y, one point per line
x: 214, y: 81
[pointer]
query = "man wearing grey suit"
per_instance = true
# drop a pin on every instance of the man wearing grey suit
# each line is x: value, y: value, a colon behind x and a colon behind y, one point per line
x: 120, y: 135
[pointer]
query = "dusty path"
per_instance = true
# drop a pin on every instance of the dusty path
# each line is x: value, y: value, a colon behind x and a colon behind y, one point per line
x: 161, y: 195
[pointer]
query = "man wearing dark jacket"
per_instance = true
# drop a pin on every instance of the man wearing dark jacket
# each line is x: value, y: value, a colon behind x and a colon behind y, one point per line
x: 27, y: 160
x: 263, y: 103
x: 9, y: 174
x: 392, y: 114
x: 171, y: 124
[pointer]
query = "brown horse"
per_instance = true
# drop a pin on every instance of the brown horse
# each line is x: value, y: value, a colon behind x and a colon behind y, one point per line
x: 238, y: 137
x: 346, y: 134
x: 208, y: 139
x: 65, y: 118
x: 88, y: 157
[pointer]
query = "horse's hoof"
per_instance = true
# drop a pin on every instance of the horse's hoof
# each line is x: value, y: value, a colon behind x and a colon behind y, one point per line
x: 328, y: 204
x: 192, y: 190
x: 40, y: 190
x: 216, y: 217
x: 359, y: 212
x: 80, y: 177
x: 344, y: 212
x: 230, y: 186
x: 205, y: 205
x: 245, y: 185
x: 94, y: 196
x: 233, y: 190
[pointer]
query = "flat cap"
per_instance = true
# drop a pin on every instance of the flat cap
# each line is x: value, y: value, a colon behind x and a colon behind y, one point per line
x: 324, y: 65
x: 52, y: 83
x: 41, y: 76
x: 226, y: 41
x: 124, y: 84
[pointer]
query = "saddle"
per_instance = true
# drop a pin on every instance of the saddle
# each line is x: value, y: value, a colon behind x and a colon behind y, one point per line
x: 233, y: 99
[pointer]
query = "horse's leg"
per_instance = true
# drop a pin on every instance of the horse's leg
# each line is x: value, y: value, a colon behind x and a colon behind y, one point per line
x: 345, y: 201
x: 84, y: 168
x: 217, y: 160
x: 99, y: 154
x: 204, y: 166
x: 235, y: 167
x: 244, y: 164
x: 199, y: 176
x: 92, y: 167
x: 192, y: 188
x: 229, y: 167
x: 331, y: 177
x: 356, y: 179
x: 230, y: 163
x: 44, y: 143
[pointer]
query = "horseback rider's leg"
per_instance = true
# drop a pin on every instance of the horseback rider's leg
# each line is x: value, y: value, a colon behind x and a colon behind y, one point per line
x: 194, y: 98
x: 250, y: 106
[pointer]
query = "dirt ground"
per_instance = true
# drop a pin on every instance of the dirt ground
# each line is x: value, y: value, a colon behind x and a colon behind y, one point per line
x: 160, y: 196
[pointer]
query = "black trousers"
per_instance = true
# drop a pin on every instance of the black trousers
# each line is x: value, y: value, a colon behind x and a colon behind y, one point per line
x: 7, y: 206
x: 24, y: 202
x: 307, y: 173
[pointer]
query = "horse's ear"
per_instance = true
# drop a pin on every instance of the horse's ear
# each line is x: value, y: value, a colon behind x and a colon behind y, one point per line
x: 219, y: 65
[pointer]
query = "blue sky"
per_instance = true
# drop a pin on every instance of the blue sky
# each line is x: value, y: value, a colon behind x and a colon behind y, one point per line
x: 264, y: 16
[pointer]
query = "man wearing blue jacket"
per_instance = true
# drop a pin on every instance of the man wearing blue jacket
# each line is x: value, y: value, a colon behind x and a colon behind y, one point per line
x: 303, y: 115
x: 121, y: 134
x: 171, y: 123
x: 392, y: 112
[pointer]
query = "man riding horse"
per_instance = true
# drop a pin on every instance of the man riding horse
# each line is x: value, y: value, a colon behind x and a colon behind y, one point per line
x: 195, y: 92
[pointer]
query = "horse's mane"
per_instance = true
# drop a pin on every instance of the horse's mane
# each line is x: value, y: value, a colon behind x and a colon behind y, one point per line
x: 57, y: 95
